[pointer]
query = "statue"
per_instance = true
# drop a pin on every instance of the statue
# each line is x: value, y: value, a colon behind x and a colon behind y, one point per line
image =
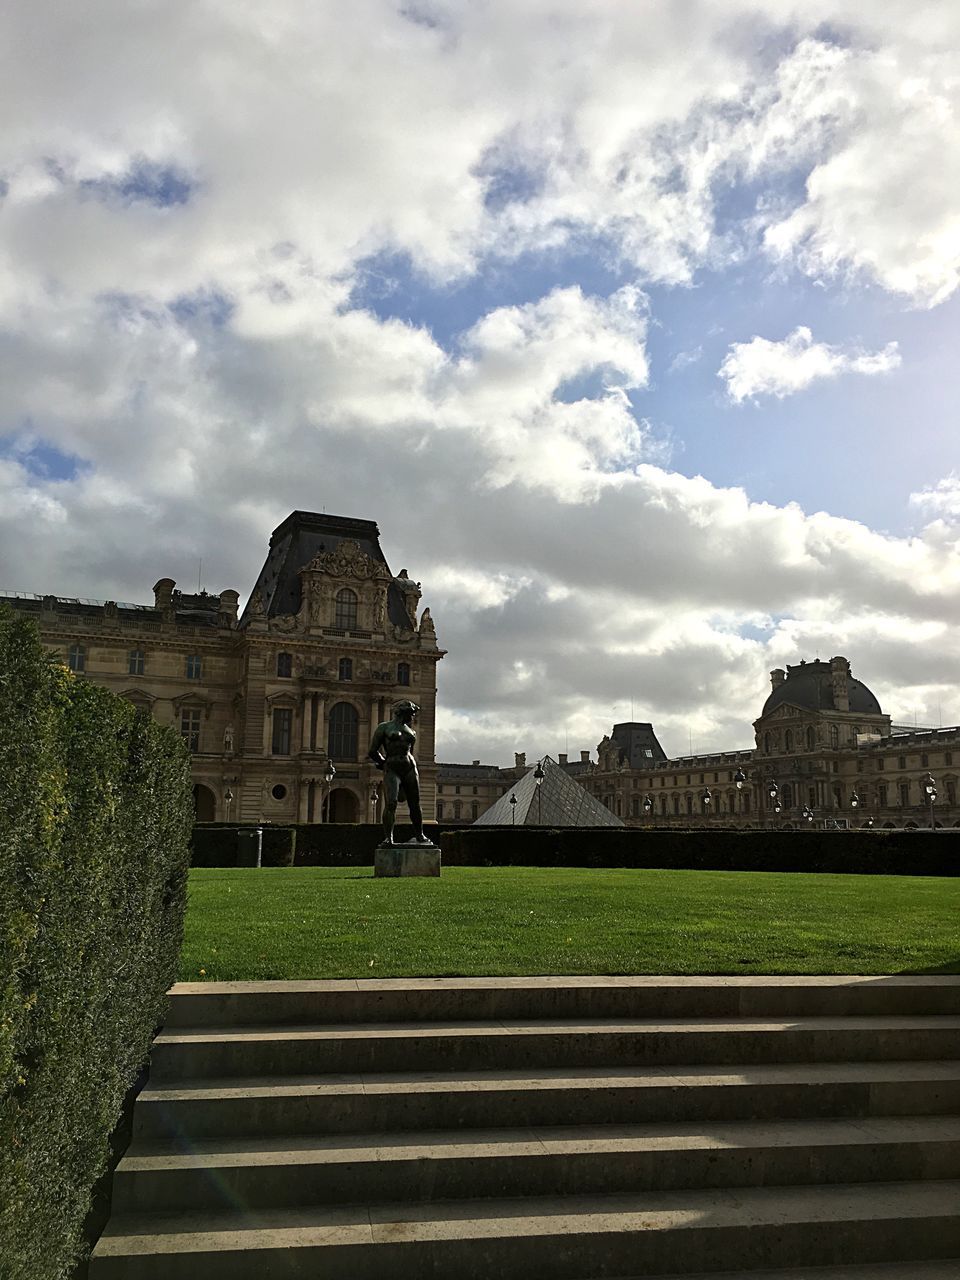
x: 380, y: 609
x: 392, y: 751
x: 427, y: 627
x: 228, y: 740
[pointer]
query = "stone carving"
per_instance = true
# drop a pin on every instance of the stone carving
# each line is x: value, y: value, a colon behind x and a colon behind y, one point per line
x: 380, y: 609
x: 426, y: 624
x: 255, y: 607
x: 402, y: 635
x: 411, y: 595
x: 228, y: 740
x: 284, y: 622
x: 346, y: 561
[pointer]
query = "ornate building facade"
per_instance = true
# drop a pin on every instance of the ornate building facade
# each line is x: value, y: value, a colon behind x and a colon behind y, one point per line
x: 825, y: 753
x: 268, y: 701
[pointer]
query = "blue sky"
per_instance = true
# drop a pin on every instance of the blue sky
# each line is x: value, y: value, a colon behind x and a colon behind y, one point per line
x: 634, y: 328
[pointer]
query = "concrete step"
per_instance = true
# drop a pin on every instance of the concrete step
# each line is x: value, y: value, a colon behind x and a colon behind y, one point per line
x: 564, y: 1238
x: 191, y: 1053
x: 582, y: 1160
x: 226, y: 1004
x: 259, y: 1107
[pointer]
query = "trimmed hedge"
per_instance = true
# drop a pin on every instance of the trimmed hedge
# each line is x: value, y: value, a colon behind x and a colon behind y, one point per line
x: 95, y: 811
x: 915, y: 853
x: 881, y: 852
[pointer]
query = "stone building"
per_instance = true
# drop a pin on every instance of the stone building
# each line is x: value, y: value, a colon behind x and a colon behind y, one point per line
x: 328, y: 640
x: 821, y: 738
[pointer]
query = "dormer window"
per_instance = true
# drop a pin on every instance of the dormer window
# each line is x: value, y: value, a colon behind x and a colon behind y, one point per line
x: 346, y: 610
x: 345, y: 669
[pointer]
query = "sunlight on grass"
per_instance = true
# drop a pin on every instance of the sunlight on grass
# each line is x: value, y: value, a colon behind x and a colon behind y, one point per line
x: 330, y: 922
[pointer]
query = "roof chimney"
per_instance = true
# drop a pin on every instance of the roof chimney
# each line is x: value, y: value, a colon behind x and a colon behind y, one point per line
x: 584, y: 757
x: 163, y: 593
x: 563, y: 757
x: 228, y: 608
x: 839, y: 674
x: 476, y: 762
x: 777, y: 678
x: 519, y: 759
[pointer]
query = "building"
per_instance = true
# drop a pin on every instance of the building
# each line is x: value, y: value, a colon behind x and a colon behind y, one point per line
x: 552, y: 799
x: 328, y: 641
x: 465, y: 791
x: 824, y: 752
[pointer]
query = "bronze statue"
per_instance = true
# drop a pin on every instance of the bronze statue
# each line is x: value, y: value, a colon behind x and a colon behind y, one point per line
x: 392, y: 751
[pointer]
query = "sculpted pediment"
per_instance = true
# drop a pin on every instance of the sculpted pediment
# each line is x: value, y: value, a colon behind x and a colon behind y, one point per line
x: 347, y: 560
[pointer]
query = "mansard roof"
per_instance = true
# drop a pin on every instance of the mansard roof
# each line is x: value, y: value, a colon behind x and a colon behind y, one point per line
x: 295, y: 542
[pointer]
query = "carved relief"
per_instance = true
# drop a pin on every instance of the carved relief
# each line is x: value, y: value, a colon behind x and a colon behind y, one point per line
x: 284, y: 622
x: 255, y: 606
x: 346, y: 561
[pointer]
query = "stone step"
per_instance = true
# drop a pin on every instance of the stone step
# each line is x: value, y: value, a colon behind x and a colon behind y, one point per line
x: 259, y: 1107
x: 946, y: 1270
x: 191, y: 1053
x: 583, y: 1160
x: 566, y: 1238
x: 516, y: 999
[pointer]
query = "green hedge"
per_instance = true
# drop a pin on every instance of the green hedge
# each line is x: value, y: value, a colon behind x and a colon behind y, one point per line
x: 855, y: 852
x: 95, y: 811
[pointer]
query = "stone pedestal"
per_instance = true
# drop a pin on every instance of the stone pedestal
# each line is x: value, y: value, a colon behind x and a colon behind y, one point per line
x: 406, y: 860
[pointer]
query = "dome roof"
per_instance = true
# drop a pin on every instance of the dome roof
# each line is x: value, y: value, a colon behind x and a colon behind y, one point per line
x: 810, y: 685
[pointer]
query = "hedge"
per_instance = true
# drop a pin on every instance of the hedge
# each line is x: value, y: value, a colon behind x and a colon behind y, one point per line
x: 95, y: 810
x: 857, y: 852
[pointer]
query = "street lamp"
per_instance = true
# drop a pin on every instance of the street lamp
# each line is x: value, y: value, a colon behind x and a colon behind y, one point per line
x: 228, y: 801
x: 929, y: 785
x: 854, y: 800
x: 705, y: 800
x: 538, y: 779
x: 374, y: 798
x: 513, y: 810
x: 647, y: 807
x: 328, y: 776
x: 739, y: 779
x: 806, y: 813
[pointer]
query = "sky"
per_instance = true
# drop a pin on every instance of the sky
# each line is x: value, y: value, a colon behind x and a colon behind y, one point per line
x: 634, y: 326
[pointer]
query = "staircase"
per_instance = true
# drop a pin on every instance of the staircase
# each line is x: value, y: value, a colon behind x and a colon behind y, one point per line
x: 547, y: 1129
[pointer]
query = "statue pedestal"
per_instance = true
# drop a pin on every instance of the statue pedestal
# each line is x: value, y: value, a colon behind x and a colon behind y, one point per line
x: 406, y: 860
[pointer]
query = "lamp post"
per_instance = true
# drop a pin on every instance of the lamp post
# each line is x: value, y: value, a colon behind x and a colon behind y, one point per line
x: 854, y: 799
x: 806, y: 813
x: 538, y: 779
x: 705, y: 800
x: 929, y: 785
x: 647, y: 807
x: 374, y: 799
x: 773, y: 793
x: 739, y: 779
x: 228, y: 801
x: 513, y: 810
x: 328, y: 776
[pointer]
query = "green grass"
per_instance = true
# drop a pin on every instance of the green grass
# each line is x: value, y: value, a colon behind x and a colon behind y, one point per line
x: 331, y: 922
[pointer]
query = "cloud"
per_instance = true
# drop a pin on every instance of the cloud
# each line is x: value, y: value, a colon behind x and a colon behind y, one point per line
x: 764, y: 368
x: 940, y: 500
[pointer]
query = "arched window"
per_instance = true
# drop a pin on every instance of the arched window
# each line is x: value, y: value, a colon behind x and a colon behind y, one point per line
x: 811, y: 740
x: 663, y: 805
x: 475, y: 811
x: 786, y: 796
x: 345, y: 669
x: 342, y: 738
x: 77, y: 657
x: 789, y: 740
x: 346, y: 609
x: 456, y: 810
x: 676, y: 805
x: 135, y: 662
x: 285, y: 665
x: 834, y: 736
x: 689, y: 804
x: 635, y: 807
x: 403, y: 673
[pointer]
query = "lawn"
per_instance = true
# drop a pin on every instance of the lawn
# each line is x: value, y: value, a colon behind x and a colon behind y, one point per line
x: 332, y: 922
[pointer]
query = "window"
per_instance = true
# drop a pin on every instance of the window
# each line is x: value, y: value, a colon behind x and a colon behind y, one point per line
x: 901, y: 762
x: 789, y: 740
x: 439, y: 788
x: 194, y: 667
x: 701, y: 777
x: 905, y: 794
x: 882, y: 795
x: 689, y: 804
x: 190, y: 727
x: 810, y: 738
x: 456, y: 810
x: 285, y: 665
x: 403, y: 673
x: 924, y: 761
x: 948, y: 757
x: 951, y: 784
x: 279, y: 792
x: 635, y: 807
x: 456, y: 789
x: 342, y: 737
x: 346, y: 609
x: 475, y: 811
x: 745, y: 797
x: 282, y: 726
x: 439, y: 810
x: 834, y: 736
x: 663, y: 806
x: 676, y: 805
x: 135, y: 660
x: 766, y: 744
x: 345, y: 670
x: 77, y: 657
x: 881, y: 763
x: 474, y: 790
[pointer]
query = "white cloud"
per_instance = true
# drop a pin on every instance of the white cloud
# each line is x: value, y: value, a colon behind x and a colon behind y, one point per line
x: 764, y: 368
x: 940, y: 500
